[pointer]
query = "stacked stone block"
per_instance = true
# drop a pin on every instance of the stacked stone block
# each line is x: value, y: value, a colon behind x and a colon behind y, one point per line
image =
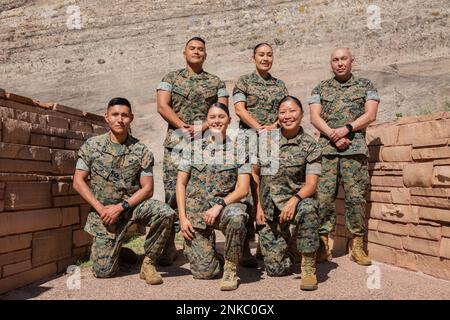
x: 41, y: 216
x: 408, y: 204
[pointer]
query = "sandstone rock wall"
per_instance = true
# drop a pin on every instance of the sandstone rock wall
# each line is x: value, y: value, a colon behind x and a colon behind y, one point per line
x: 409, y: 201
x: 41, y: 216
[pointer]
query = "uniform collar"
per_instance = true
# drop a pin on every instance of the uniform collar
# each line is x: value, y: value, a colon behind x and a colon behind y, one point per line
x: 257, y: 78
x: 185, y: 73
x: 346, y: 84
x: 208, y: 143
x: 295, y: 140
x: 108, y: 146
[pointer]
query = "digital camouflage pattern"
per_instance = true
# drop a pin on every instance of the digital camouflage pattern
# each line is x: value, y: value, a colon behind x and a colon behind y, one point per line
x: 352, y: 172
x: 343, y: 103
x: 277, y: 238
x: 201, y: 251
x: 114, y: 177
x: 214, y: 169
x: 298, y: 157
x: 261, y: 97
x: 191, y: 96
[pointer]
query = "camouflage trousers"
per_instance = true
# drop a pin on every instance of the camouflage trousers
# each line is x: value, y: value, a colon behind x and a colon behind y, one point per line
x: 107, y: 243
x: 201, y: 251
x: 279, y: 240
x: 353, y: 173
x: 170, y: 171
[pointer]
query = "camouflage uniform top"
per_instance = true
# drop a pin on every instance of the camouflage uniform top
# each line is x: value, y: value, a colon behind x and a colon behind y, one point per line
x: 115, y: 169
x: 192, y: 95
x: 261, y: 97
x: 213, y: 169
x: 298, y: 157
x: 343, y: 103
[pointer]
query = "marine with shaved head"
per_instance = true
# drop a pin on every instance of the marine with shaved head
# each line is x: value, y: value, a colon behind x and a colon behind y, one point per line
x: 341, y: 109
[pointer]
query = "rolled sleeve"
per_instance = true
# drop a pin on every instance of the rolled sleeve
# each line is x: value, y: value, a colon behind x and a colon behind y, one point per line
x: 165, y: 86
x: 314, y: 99
x: 81, y: 165
x: 246, y: 168
x: 239, y: 97
x: 372, y: 95
x: 184, y: 166
x: 314, y: 168
x: 147, y: 172
x: 222, y: 92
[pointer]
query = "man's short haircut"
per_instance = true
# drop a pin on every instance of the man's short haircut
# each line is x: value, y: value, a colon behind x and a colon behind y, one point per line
x: 222, y: 106
x: 292, y: 99
x: 119, y: 102
x: 196, y: 39
x: 260, y: 45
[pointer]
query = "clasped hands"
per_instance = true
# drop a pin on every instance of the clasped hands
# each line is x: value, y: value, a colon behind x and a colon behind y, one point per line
x: 110, y: 213
x: 339, y: 137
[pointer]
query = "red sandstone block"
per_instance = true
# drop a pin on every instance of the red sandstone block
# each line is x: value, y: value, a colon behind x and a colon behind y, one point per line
x: 27, y: 195
x: 395, y: 213
x: 28, y: 221
x: 439, y: 268
x: 13, y: 243
x: 424, y: 232
x: 397, y: 154
x: 428, y: 247
x: 76, y: 135
x: 373, y: 224
x: 2, y: 190
x: 444, y: 251
x: 385, y: 239
x: 95, y: 117
x: 49, y: 131
x: 70, y: 216
x: 400, y: 196
x: 340, y: 219
x: 69, y: 110
x: 43, y: 105
x: 399, y: 229
x: 19, y: 99
x: 60, y: 189
x: 388, y: 181
x: 432, y: 116
x: 441, y: 162
x: 418, y: 175
x: 407, y: 260
x: 73, y: 144
x: 430, y: 143
x: 48, y: 141
x: 445, y: 231
x: 382, y: 135
x: 81, y: 238
x: 84, y: 212
x: 381, y: 253
x: 64, y: 161
x: 67, y: 201
x: 434, y: 214
x: 387, y: 173
x: 27, y: 277
x: 19, y: 151
x: 80, y: 126
x: 15, y: 256
x: 441, y: 176
x: 431, y: 202
x: 99, y: 129
x: 375, y: 153
x: 339, y: 244
x: 431, y: 153
x: 57, y: 122
x: 340, y: 206
x: 81, y: 251
x: 422, y: 133
x: 407, y: 120
x: 25, y: 166
x: 387, y: 166
x: 51, y: 245
x: 380, y: 197
x: 16, y: 268
x: 15, y: 131
x: 65, y: 263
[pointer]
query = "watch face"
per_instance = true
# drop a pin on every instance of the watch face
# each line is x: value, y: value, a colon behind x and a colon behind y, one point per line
x: 125, y: 205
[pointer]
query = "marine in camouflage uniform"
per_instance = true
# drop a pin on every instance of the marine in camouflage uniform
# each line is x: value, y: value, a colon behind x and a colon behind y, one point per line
x: 298, y: 157
x: 261, y: 97
x: 115, y: 170
x: 209, y: 179
x: 341, y: 104
x: 191, y: 96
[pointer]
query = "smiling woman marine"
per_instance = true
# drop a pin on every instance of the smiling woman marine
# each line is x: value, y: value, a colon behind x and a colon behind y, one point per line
x: 287, y: 197
x: 208, y: 193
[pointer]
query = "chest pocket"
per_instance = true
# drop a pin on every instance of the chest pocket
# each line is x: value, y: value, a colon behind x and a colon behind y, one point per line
x: 294, y: 169
x: 130, y: 170
x: 100, y: 170
x: 210, y: 96
x: 252, y: 101
x: 179, y: 97
x: 356, y: 103
x: 226, y: 177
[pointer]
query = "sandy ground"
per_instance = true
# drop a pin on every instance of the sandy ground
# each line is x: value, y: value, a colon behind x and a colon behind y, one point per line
x: 339, y: 279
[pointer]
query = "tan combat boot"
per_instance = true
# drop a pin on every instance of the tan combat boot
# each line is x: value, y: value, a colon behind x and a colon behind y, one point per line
x: 229, y: 279
x: 149, y: 273
x: 309, y: 280
x: 247, y: 260
x: 357, y: 254
x: 324, y: 252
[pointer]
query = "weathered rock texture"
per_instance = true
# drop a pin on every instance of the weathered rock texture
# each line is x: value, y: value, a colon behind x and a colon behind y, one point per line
x: 409, y: 207
x: 41, y: 216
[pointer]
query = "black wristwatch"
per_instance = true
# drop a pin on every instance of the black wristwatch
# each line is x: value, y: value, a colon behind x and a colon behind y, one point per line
x: 125, y: 205
x: 298, y: 197
x: 220, y: 201
x: 349, y: 127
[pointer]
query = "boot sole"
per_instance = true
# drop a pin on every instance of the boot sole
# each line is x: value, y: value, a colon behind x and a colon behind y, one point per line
x: 227, y: 288
x: 308, y: 288
x: 361, y: 264
x: 154, y: 282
